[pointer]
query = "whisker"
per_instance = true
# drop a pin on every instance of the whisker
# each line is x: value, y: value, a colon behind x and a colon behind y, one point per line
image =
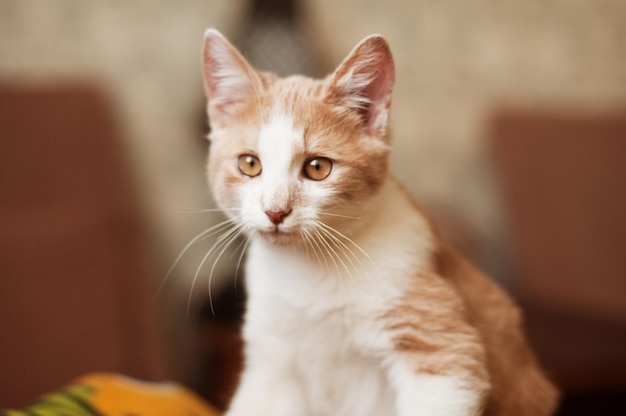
x: 246, y: 242
x: 307, y: 236
x: 204, y: 210
x: 348, y: 239
x: 217, y: 244
x: 224, y: 227
x: 346, y: 250
x: 336, y: 254
x: 333, y: 254
x: 316, y: 244
x: 217, y: 259
x: 306, y: 243
x: 201, y: 236
x: 239, y: 247
x: 339, y: 215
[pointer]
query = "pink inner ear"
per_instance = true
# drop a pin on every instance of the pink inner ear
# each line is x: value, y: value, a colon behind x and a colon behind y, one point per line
x: 378, y: 93
x: 364, y: 81
x: 228, y: 78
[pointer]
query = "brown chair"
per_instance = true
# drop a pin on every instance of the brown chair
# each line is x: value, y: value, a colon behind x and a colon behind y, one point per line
x: 563, y: 178
x: 74, y: 289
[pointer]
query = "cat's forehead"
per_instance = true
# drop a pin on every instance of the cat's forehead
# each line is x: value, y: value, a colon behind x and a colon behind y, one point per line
x: 295, y: 86
x: 292, y: 109
x: 296, y: 95
x: 278, y: 101
x: 304, y: 102
x: 280, y: 134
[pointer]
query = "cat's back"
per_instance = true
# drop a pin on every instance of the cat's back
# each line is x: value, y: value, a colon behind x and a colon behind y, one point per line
x: 518, y: 385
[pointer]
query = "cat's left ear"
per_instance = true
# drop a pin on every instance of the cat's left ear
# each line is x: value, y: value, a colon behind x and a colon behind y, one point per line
x: 229, y: 79
x: 363, y: 83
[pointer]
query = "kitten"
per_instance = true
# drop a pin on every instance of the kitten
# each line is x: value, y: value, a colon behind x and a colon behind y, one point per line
x: 356, y: 306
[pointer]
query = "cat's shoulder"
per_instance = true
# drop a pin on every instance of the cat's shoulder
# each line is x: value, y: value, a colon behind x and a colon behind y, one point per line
x: 484, y: 299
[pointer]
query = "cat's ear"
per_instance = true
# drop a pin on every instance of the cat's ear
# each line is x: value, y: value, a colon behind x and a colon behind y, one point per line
x: 363, y: 83
x: 228, y: 78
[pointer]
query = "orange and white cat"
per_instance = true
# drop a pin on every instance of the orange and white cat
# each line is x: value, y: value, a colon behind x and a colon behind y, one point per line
x: 355, y: 305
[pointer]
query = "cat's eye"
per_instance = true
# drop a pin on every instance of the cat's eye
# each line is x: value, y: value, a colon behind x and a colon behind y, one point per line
x: 318, y: 168
x: 249, y: 165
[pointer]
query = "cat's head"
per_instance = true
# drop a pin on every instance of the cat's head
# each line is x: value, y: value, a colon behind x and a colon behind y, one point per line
x: 290, y: 154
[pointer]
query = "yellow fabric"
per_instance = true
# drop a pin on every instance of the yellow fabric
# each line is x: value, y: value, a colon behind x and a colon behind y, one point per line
x: 116, y: 395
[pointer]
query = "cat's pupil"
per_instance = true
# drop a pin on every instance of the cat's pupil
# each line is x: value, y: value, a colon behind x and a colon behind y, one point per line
x: 318, y: 169
x: 249, y: 165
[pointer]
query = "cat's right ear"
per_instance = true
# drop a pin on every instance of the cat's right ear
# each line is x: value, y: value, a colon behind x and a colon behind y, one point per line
x: 363, y: 82
x: 229, y: 79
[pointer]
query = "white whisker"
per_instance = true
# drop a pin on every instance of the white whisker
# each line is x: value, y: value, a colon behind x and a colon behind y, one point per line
x: 345, y: 249
x: 332, y: 253
x: 316, y: 247
x: 221, y: 229
x: 310, y: 241
x: 217, y: 259
x: 246, y: 242
x: 191, y: 210
x: 348, y: 239
x: 333, y: 241
x: 306, y: 245
x: 217, y: 244
x: 201, y: 236
x: 331, y: 214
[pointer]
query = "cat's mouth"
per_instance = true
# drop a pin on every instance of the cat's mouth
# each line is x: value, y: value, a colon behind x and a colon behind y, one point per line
x: 278, y: 235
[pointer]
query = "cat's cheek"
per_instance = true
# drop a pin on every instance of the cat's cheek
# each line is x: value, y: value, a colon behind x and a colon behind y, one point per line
x: 317, y: 196
x: 315, y: 190
x: 225, y: 187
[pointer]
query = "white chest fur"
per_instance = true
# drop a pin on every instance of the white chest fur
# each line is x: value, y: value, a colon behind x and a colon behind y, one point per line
x: 318, y: 330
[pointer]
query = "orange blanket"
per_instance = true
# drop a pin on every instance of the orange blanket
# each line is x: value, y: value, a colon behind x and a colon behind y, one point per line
x: 114, y: 395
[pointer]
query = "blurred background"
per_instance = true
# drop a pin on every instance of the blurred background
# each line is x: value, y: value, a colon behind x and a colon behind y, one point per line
x: 508, y: 122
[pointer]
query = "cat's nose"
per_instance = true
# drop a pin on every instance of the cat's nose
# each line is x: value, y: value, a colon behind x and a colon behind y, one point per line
x: 277, y: 216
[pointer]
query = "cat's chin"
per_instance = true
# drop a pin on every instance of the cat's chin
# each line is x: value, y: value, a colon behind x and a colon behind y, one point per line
x: 278, y: 237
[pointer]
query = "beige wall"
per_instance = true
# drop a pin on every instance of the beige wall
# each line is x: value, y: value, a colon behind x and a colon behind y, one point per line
x: 456, y: 62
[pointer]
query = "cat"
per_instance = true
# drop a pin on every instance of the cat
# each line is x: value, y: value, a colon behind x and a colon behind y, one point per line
x: 355, y: 305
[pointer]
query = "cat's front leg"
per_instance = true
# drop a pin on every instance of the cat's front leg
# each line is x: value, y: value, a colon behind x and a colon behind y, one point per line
x: 423, y: 394
x: 445, y: 376
x: 267, y: 390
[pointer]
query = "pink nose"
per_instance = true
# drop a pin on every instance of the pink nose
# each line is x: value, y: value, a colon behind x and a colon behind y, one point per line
x: 277, y: 216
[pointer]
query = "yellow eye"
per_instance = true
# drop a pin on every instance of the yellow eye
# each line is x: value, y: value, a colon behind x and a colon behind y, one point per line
x: 318, y: 168
x: 249, y: 165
